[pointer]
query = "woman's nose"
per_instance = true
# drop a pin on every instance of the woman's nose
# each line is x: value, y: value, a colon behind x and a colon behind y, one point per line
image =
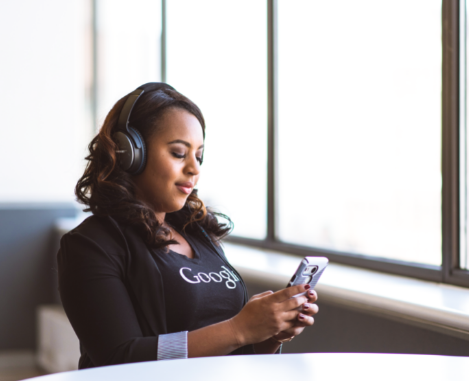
x: 193, y: 167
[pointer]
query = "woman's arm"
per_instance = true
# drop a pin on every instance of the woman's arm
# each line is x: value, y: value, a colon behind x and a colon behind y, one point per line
x: 264, y: 316
x: 98, y: 305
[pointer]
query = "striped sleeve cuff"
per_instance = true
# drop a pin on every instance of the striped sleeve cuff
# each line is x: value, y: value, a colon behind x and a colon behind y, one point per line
x: 172, y: 346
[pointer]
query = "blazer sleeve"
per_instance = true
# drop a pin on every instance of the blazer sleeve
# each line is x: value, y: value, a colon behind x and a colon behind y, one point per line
x: 97, y: 303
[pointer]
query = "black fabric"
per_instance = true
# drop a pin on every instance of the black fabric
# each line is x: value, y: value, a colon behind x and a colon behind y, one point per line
x: 113, y: 292
x: 204, y: 290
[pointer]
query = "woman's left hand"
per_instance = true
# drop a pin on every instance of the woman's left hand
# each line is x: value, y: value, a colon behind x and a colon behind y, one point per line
x: 304, y: 318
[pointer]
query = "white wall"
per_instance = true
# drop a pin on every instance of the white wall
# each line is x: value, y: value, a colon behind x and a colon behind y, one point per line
x: 43, y: 98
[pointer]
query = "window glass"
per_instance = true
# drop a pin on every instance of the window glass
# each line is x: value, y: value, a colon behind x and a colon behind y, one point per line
x: 360, y: 127
x: 216, y: 56
x: 129, y: 49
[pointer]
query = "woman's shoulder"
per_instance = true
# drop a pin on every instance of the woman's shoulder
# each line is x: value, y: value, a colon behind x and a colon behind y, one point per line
x: 101, y: 245
x: 96, y: 227
x: 96, y: 233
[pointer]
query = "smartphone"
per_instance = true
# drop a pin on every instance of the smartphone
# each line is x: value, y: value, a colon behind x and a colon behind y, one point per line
x: 308, y: 272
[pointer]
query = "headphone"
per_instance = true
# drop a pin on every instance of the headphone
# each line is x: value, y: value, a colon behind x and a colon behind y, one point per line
x: 131, y: 146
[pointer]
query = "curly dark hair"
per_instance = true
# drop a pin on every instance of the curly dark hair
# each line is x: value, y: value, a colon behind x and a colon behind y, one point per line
x: 108, y: 190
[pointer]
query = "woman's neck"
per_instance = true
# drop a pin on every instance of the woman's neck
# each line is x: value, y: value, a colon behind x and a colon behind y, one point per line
x: 160, y: 216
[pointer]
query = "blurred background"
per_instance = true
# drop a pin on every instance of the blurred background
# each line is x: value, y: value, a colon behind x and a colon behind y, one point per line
x: 357, y: 109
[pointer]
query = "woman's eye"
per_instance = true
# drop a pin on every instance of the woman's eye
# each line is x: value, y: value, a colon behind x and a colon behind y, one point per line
x: 178, y: 155
x: 182, y: 156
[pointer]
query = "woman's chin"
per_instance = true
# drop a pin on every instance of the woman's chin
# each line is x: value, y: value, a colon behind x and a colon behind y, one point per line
x: 177, y: 206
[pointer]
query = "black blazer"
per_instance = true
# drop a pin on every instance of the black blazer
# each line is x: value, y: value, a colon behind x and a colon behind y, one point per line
x: 112, y: 292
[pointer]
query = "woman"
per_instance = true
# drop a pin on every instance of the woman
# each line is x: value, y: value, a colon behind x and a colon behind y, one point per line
x: 145, y: 278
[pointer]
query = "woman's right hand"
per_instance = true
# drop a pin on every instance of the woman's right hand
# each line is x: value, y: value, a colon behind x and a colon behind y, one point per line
x: 267, y: 314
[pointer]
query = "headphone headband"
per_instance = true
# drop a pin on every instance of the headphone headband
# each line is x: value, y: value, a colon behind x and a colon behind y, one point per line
x: 123, y: 122
x: 124, y: 117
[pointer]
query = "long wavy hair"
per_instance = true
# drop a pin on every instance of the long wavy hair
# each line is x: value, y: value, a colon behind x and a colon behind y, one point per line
x: 108, y: 190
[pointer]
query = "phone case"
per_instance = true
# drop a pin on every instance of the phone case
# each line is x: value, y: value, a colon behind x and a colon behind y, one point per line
x: 309, y: 271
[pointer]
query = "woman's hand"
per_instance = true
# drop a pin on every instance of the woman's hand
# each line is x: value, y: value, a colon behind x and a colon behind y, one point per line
x: 304, y: 319
x: 266, y: 315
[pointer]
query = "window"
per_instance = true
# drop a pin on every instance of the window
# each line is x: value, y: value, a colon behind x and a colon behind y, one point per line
x: 333, y: 129
x: 359, y: 127
x: 128, y: 37
x: 406, y: 92
x: 217, y: 56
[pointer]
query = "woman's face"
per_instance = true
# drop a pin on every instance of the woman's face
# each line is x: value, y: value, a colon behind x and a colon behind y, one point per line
x: 173, y: 162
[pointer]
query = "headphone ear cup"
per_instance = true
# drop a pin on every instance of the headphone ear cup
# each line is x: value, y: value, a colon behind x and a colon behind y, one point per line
x: 142, y: 160
x: 126, y: 157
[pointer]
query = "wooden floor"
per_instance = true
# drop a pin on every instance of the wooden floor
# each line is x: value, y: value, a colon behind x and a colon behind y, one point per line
x: 19, y: 373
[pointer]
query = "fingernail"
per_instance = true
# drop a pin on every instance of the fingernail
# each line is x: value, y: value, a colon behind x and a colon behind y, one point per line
x: 311, y: 292
x: 305, y: 306
x: 307, y: 287
x: 301, y: 316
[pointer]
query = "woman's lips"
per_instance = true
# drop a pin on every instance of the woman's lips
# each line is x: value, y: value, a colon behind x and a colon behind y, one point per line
x: 185, y: 187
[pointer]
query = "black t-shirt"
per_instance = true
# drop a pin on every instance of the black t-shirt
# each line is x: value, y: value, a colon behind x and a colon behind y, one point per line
x: 200, y: 291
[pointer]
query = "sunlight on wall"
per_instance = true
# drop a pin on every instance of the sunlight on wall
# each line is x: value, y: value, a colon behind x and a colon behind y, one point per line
x: 45, y: 83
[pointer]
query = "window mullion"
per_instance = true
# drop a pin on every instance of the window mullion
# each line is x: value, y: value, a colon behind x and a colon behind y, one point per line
x: 272, y: 118
x: 163, y: 41
x: 450, y: 137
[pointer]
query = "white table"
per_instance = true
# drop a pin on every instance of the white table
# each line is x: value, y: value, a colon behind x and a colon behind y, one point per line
x: 286, y: 367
